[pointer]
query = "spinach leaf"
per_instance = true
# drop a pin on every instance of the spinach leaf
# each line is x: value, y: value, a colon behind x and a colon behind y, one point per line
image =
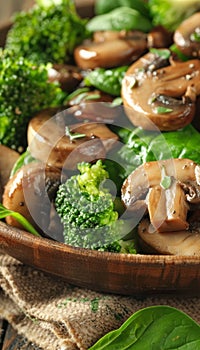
x: 154, y: 328
x: 121, y: 18
x: 105, y: 6
x: 142, y: 146
x: 107, y: 80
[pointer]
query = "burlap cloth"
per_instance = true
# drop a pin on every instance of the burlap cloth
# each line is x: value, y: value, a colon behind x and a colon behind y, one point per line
x: 55, y: 315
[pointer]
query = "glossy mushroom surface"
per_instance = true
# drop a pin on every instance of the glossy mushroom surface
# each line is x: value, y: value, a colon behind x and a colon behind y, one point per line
x: 187, y: 36
x: 168, y: 187
x: 8, y: 157
x: 161, y: 93
x: 110, y: 49
x: 184, y: 242
x: 30, y: 192
x: 63, y: 141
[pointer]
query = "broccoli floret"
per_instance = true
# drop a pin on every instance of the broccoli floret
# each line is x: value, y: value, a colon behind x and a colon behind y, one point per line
x: 170, y: 13
x: 121, y: 246
x: 24, y: 90
x: 86, y: 210
x: 47, y: 32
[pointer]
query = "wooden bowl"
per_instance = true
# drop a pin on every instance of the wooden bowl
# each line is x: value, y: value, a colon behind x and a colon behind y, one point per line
x: 106, y: 272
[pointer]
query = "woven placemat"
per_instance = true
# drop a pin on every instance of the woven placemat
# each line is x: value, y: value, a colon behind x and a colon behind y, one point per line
x: 55, y: 315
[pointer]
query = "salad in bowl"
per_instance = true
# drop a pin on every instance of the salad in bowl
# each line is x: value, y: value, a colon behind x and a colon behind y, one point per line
x: 99, y: 140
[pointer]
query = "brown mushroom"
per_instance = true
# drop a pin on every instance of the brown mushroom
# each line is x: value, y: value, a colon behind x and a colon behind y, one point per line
x: 171, y: 188
x: 168, y: 208
x: 187, y: 35
x: 30, y: 192
x: 150, y: 174
x: 68, y: 76
x: 159, y: 37
x: 8, y: 157
x: 50, y: 142
x: 184, y: 242
x: 97, y: 130
x: 157, y: 95
x: 123, y: 49
x: 84, y: 107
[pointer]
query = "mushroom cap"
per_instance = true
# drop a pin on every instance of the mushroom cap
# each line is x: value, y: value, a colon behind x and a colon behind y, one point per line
x: 49, y: 143
x: 184, y: 36
x: 147, y: 175
x: 8, y: 157
x: 109, y: 53
x: 163, y: 97
x: 68, y: 76
x: 185, y: 242
x: 28, y: 193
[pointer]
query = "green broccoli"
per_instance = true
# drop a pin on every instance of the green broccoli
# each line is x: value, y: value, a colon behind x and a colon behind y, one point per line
x: 87, y: 212
x: 170, y: 13
x: 48, y: 32
x: 24, y: 90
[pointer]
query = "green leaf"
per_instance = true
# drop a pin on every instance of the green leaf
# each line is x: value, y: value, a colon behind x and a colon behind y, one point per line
x: 164, y: 53
x: 154, y: 328
x: 107, y: 80
x: 105, y: 6
x: 195, y: 36
x: 142, y: 146
x: 4, y: 212
x: 25, y: 158
x: 179, y: 54
x: 166, y: 181
x: 163, y: 110
x: 122, y: 18
x: 73, y: 136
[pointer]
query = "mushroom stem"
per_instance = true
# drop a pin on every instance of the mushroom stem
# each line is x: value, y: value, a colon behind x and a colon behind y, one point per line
x: 168, y: 208
x: 150, y: 174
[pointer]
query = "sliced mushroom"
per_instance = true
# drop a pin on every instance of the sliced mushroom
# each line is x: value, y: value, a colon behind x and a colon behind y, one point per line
x: 150, y: 174
x: 49, y: 142
x: 171, y: 189
x: 30, y: 192
x: 168, y: 208
x: 89, y: 96
x: 163, y: 97
x: 68, y: 76
x: 118, y: 51
x: 185, y: 242
x: 97, y: 130
x: 84, y: 107
x: 187, y: 35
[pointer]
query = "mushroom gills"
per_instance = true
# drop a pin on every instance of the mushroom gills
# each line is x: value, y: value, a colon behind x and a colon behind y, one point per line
x: 163, y: 98
x: 150, y: 174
